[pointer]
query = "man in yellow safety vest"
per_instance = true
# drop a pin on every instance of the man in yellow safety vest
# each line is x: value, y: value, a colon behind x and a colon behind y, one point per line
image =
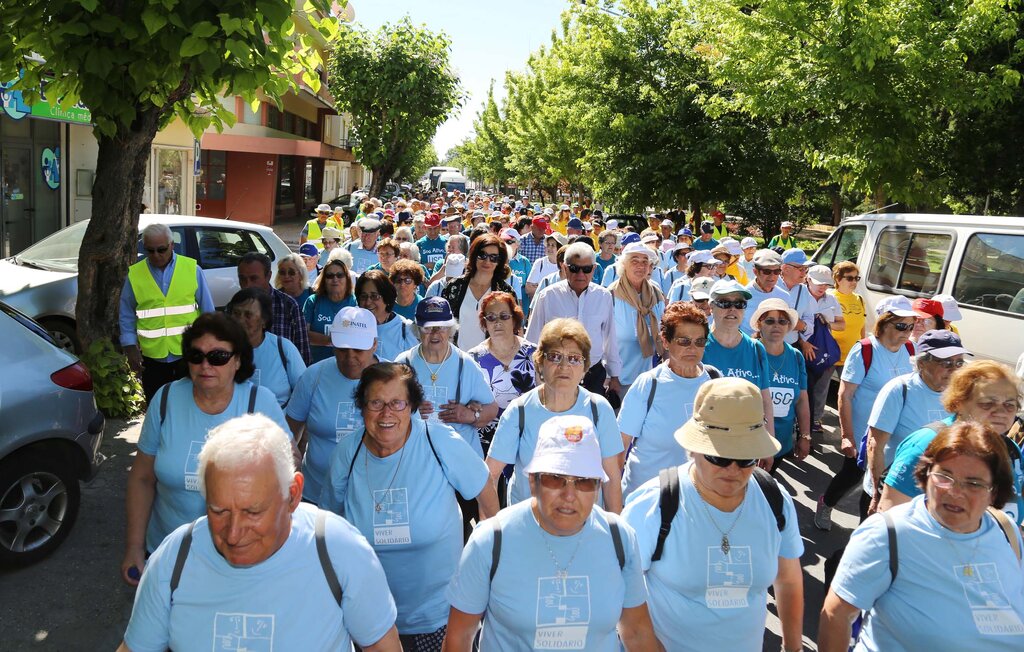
x: 162, y: 295
x: 312, y: 231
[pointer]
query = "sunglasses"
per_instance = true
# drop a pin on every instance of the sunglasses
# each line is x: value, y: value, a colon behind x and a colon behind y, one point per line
x: 949, y: 364
x: 334, y: 275
x: 902, y: 326
x: 771, y: 321
x: 739, y: 304
x: 724, y: 462
x: 330, y: 241
x: 403, y: 280
x: 768, y: 272
x: 700, y: 342
x: 571, y: 359
x: 493, y: 317
x: 369, y: 296
x: 157, y: 250
x: 554, y: 481
x: 849, y: 278
x: 287, y: 272
x: 216, y: 357
x: 376, y: 405
x: 576, y: 269
x: 494, y: 258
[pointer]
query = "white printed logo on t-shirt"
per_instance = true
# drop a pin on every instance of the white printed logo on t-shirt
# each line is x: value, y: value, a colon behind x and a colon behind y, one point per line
x: 243, y: 632
x: 563, y: 612
x: 192, y: 466
x: 993, y: 615
x: 438, y: 396
x: 344, y: 420
x: 729, y: 577
x: 391, y: 521
x: 782, y: 400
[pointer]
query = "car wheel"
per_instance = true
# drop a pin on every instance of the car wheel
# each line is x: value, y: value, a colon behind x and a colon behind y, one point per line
x: 64, y: 334
x: 39, y: 499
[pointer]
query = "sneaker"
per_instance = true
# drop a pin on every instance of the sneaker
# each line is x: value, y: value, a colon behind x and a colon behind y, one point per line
x: 823, y: 515
x: 816, y: 427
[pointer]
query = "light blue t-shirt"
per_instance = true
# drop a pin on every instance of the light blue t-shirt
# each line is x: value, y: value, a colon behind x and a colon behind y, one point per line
x: 319, y: 313
x: 805, y: 305
x: 655, y: 446
x: 521, y: 266
x: 679, y: 290
x: 282, y: 603
x: 527, y: 605
x: 756, y: 297
x: 787, y: 377
x: 324, y: 401
x: 933, y: 604
x: 885, y: 365
x: 669, y: 277
x: 450, y: 386
x: 409, y: 311
x: 697, y: 593
x: 511, y: 448
x: 417, y: 533
x: 910, y: 450
x: 431, y: 251
x: 361, y: 258
x: 394, y: 336
x: 747, y: 360
x: 277, y: 376
x: 633, y: 361
x: 175, y: 445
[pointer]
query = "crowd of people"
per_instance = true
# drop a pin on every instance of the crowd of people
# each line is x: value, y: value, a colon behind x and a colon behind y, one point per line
x: 555, y: 379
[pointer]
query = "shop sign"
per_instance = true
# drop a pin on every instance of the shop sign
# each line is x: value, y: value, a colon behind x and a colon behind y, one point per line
x: 13, y: 104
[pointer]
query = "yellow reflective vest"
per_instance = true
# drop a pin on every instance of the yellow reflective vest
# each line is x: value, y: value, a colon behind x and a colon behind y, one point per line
x: 162, y: 319
x: 314, y: 233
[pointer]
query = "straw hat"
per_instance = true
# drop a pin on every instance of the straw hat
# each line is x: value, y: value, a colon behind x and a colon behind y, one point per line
x: 728, y: 421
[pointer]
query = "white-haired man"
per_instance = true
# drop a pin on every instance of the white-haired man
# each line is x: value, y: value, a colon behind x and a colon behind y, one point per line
x: 260, y: 570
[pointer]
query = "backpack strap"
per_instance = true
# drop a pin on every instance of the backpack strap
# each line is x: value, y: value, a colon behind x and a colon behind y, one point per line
x: 867, y: 352
x: 616, y: 531
x: 163, y: 402
x: 894, y: 549
x: 179, y: 560
x: 1008, y: 528
x: 325, y: 558
x: 771, y: 490
x: 458, y: 383
x: 432, y: 449
x: 495, y: 546
x: 668, y: 504
x: 522, y: 419
x: 910, y: 347
x: 593, y: 411
x: 352, y: 464
x: 252, y: 399
x: 712, y: 371
x: 280, y: 352
x: 650, y: 397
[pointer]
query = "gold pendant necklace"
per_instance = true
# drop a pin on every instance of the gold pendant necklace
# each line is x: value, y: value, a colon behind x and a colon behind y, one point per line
x: 435, y: 372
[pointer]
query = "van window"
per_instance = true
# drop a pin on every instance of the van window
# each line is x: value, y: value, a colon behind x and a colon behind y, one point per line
x: 844, y: 245
x: 220, y: 248
x: 992, y: 273
x: 909, y: 261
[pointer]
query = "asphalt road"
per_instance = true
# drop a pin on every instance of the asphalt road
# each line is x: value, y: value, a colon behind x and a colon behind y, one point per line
x: 75, y: 600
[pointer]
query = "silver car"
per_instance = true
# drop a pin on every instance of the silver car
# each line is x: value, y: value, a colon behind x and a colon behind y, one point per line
x: 42, y: 281
x: 49, y: 442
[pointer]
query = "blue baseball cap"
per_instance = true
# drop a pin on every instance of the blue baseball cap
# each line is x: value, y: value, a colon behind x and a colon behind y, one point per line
x: 309, y: 250
x: 630, y: 238
x: 575, y: 223
x: 434, y: 311
x: 941, y: 344
x: 796, y: 257
x: 685, y: 231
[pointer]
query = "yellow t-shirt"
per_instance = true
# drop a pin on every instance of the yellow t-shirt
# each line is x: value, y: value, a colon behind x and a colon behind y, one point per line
x: 853, y: 313
x: 557, y: 225
x: 738, y: 273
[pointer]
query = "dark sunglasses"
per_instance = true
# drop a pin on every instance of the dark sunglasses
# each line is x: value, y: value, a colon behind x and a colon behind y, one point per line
x: 576, y: 269
x: 493, y: 317
x: 724, y: 462
x: 849, y: 278
x: 287, y: 272
x: 700, y: 342
x: 369, y: 296
x: 333, y: 275
x: 494, y: 258
x: 739, y: 304
x: 555, y: 482
x: 157, y: 250
x: 902, y: 326
x: 216, y: 357
x: 771, y: 321
x: 769, y: 272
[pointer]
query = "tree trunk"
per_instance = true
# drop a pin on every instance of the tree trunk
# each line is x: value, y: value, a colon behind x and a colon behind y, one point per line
x: 837, y: 205
x: 879, y: 197
x: 109, y: 244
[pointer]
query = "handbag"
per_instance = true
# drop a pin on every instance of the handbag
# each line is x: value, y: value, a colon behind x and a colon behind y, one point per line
x: 826, y: 349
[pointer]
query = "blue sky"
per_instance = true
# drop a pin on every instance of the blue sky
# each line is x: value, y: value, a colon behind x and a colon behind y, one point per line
x: 488, y: 38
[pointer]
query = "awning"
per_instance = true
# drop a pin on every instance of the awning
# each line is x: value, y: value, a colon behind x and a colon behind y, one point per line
x: 268, y: 145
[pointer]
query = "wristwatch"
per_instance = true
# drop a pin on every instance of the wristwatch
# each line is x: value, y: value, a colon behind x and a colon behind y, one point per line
x: 476, y: 414
x: 804, y: 435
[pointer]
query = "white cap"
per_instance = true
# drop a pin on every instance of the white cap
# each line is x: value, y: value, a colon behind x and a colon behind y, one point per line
x: 454, y: 266
x: 563, y: 207
x: 668, y: 223
x: 732, y: 247
x: 637, y: 248
x: 649, y: 237
x: 323, y: 208
x: 567, y: 445
x: 695, y: 257
x: 897, y: 305
x: 354, y: 328
x: 549, y: 211
x: 729, y: 285
x: 820, y: 275
x: 747, y: 243
x: 950, y: 308
x: 700, y: 288
x: 611, y: 224
x: 667, y: 245
x: 330, y: 233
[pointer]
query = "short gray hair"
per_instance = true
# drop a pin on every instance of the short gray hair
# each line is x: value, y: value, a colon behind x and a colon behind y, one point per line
x: 461, y: 241
x: 156, y: 230
x: 620, y: 263
x: 248, y: 440
x: 414, y: 251
x: 299, y: 264
x: 342, y: 254
x: 404, y: 230
x: 580, y: 250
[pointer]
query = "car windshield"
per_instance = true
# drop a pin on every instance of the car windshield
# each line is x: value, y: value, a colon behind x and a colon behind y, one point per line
x: 59, y: 252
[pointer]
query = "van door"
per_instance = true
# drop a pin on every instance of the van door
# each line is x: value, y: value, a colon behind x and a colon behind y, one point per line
x: 843, y: 245
x: 909, y: 261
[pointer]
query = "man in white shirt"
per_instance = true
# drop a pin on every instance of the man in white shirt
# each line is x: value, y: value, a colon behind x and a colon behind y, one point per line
x: 578, y: 297
x: 794, y: 273
x: 767, y: 268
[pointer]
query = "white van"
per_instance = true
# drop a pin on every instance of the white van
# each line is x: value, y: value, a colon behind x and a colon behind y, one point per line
x: 979, y: 259
x: 452, y: 181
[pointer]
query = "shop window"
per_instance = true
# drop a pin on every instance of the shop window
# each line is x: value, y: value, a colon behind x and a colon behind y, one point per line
x: 273, y: 117
x: 909, y: 261
x: 251, y: 117
x: 308, y: 194
x: 992, y: 273
x: 285, y: 175
x: 212, y: 175
x: 171, y: 171
x: 288, y: 122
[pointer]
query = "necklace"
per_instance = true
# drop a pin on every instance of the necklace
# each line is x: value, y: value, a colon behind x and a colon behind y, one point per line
x: 560, y: 572
x: 725, y: 546
x: 778, y: 371
x: 366, y: 467
x: 434, y: 372
x: 968, y: 567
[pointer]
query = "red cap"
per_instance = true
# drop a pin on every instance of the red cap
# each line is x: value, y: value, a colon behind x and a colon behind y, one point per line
x: 432, y: 220
x: 540, y: 220
x: 927, y: 307
x: 717, y: 213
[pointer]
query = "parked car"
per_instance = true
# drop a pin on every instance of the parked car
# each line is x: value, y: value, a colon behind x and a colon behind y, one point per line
x: 350, y: 205
x: 42, y: 281
x: 978, y: 259
x: 49, y: 443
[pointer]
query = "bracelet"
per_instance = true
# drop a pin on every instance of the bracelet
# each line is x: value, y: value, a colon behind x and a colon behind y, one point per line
x: 804, y: 435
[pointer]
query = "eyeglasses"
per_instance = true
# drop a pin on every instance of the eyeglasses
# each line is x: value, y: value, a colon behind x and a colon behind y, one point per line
x: 989, y: 405
x: 849, y: 278
x: 403, y: 280
x: 333, y: 275
x: 902, y: 326
x: 330, y: 241
x: 576, y: 269
x: 946, y: 482
x: 700, y: 301
x: 493, y: 316
x: 486, y: 256
x: 369, y: 296
x: 571, y: 359
x: 376, y: 405
x: 771, y: 321
x: 554, y: 481
x: 768, y: 272
x: 287, y: 272
x: 948, y: 364
x: 157, y: 250
x: 433, y: 329
x: 738, y: 304
x: 216, y: 357
x: 700, y: 342
x: 724, y: 462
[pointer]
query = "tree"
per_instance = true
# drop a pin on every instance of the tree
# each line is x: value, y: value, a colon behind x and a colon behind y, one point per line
x: 426, y: 159
x: 136, y: 65
x: 487, y: 154
x: 398, y: 86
